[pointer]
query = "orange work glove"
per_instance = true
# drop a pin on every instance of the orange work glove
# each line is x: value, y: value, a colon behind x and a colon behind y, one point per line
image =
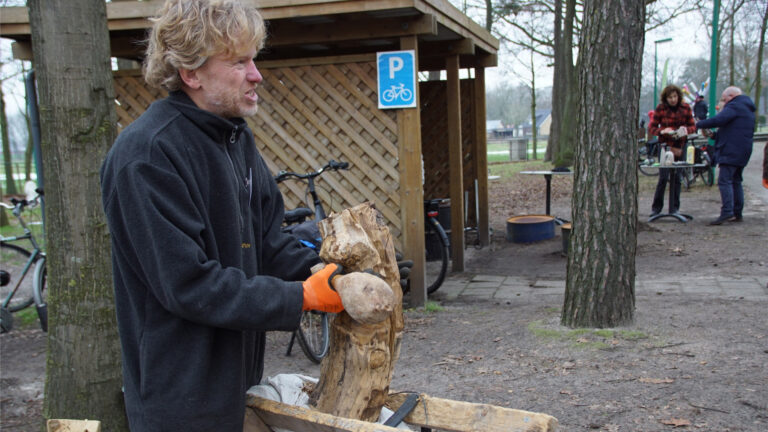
x: 319, y: 293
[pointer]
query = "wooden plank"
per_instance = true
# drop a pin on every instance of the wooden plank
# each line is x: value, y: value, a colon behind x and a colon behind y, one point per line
x: 299, y: 419
x: 455, y: 163
x: 449, y: 16
x: 66, y: 425
x: 411, y: 188
x: 355, y: 27
x: 312, y: 61
x: 254, y: 423
x: 449, y: 415
x: 481, y: 159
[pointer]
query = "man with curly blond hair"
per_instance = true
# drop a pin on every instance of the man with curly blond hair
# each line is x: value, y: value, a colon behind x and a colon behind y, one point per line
x: 201, y: 267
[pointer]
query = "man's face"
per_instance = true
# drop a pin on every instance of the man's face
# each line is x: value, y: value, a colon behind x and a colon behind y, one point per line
x: 726, y: 97
x: 673, y: 99
x: 228, y: 85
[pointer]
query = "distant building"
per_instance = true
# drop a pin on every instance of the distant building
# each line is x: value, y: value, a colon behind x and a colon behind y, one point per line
x: 495, y: 129
x: 543, y: 124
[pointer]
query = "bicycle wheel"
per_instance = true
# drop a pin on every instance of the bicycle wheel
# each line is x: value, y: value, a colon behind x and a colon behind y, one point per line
x: 709, y: 175
x: 313, y: 333
x: 688, y: 177
x: 647, y: 170
x: 41, y: 294
x: 15, y: 261
x: 437, y: 261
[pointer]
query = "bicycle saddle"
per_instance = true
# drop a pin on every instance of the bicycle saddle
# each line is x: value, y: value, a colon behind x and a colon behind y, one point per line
x: 297, y: 215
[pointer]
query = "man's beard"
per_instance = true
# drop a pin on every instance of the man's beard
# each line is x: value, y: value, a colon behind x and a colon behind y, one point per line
x: 229, y: 106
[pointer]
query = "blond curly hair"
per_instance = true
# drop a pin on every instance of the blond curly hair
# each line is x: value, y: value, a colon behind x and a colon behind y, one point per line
x: 187, y: 32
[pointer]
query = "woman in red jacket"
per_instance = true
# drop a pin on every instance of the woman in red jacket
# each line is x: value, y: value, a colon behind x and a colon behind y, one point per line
x: 672, y: 121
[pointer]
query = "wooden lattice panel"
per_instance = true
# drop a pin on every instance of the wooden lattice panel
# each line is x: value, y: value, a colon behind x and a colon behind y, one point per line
x: 310, y: 114
x: 132, y: 96
x: 434, y: 140
x: 307, y: 116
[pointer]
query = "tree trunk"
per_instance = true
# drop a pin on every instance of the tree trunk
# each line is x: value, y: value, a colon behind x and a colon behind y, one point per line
x: 759, y: 66
x: 600, y: 281
x: 558, y: 88
x: 561, y: 135
x: 356, y: 373
x: 534, y: 125
x: 70, y: 42
x: 10, y: 182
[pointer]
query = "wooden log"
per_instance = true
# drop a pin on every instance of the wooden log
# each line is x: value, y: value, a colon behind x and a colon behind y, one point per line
x: 356, y: 373
x: 449, y: 415
x: 67, y: 425
x: 295, y: 418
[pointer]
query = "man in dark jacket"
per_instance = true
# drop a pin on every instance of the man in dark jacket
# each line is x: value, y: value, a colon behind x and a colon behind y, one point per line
x: 201, y: 267
x: 700, y: 108
x: 733, y: 147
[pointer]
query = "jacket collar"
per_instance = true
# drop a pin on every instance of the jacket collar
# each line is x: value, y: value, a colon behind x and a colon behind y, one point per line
x: 220, y: 129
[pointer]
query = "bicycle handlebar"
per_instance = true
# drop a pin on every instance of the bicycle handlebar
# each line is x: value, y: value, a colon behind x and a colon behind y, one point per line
x: 331, y: 165
x: 19, y: 204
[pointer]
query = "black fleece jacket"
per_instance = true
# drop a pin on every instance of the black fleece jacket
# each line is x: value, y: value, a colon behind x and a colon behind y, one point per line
x: 201, y: 269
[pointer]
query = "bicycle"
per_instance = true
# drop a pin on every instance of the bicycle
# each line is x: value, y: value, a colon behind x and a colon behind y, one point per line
x: 701, y: 157
x: 437, y: 246
x: 647, y: 152
x: 17, y: 264
x: 313, y: 332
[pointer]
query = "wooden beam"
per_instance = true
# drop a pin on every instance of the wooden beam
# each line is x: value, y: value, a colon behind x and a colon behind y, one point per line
x: 481, y: 159
x: 428, y: 62
x: 412, y: 187
x: 446, y: 48
x: 22, y: 51
x: 455, y: 162
x: 449, y: 415
x: 355, y: 28
x: 281, y: 415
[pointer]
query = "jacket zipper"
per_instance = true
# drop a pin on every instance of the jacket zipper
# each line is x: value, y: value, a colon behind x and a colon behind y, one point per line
x: 237, y: 180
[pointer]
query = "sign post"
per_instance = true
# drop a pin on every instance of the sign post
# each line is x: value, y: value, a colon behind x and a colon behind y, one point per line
x: 396, y: 79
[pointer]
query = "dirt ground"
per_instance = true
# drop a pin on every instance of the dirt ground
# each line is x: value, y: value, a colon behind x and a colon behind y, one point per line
x: 692, y: 363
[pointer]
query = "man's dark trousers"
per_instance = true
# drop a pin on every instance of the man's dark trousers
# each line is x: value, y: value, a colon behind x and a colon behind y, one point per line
x: 731, y: 193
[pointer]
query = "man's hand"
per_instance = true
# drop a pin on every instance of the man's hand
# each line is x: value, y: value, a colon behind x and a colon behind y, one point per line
x: 319, y: 293
x: 682, y: 132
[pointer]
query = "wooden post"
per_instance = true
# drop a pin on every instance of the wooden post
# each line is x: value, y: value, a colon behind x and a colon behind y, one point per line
x: 356, y: 373
x: 481, y: 158
x: 412, y: 187
x: 456, y: 167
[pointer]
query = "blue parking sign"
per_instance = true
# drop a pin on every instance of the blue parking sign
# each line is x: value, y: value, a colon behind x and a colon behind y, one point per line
x: 397, y: 79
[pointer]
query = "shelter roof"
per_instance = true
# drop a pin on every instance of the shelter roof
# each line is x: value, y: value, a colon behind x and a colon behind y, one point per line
x: 312, y: 28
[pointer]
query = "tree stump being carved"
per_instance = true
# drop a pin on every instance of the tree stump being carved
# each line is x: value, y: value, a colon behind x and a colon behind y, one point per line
x: 356, y: 373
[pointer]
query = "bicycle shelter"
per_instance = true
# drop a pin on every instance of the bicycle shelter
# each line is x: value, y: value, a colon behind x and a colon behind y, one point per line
x: 318, y: 101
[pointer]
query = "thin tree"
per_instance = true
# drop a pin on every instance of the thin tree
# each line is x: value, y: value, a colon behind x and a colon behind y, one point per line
x: 10, y: 181
x: 600, y: 281
x: 70, y: 42
x: 759, y: 66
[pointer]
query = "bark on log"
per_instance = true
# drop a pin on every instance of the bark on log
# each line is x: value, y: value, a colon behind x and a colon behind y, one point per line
x: 356, y: 373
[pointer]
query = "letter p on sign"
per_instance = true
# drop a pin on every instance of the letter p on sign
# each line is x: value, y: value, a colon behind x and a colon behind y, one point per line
x: 395, y: 65
x: 396, y: 79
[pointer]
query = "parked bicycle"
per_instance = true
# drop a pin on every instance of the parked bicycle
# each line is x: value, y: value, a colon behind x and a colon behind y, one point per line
x: 22, y: 270
x: 703, y: 157
x: 647, y: 155
x: 438, y: 246
x: 313, y: 331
